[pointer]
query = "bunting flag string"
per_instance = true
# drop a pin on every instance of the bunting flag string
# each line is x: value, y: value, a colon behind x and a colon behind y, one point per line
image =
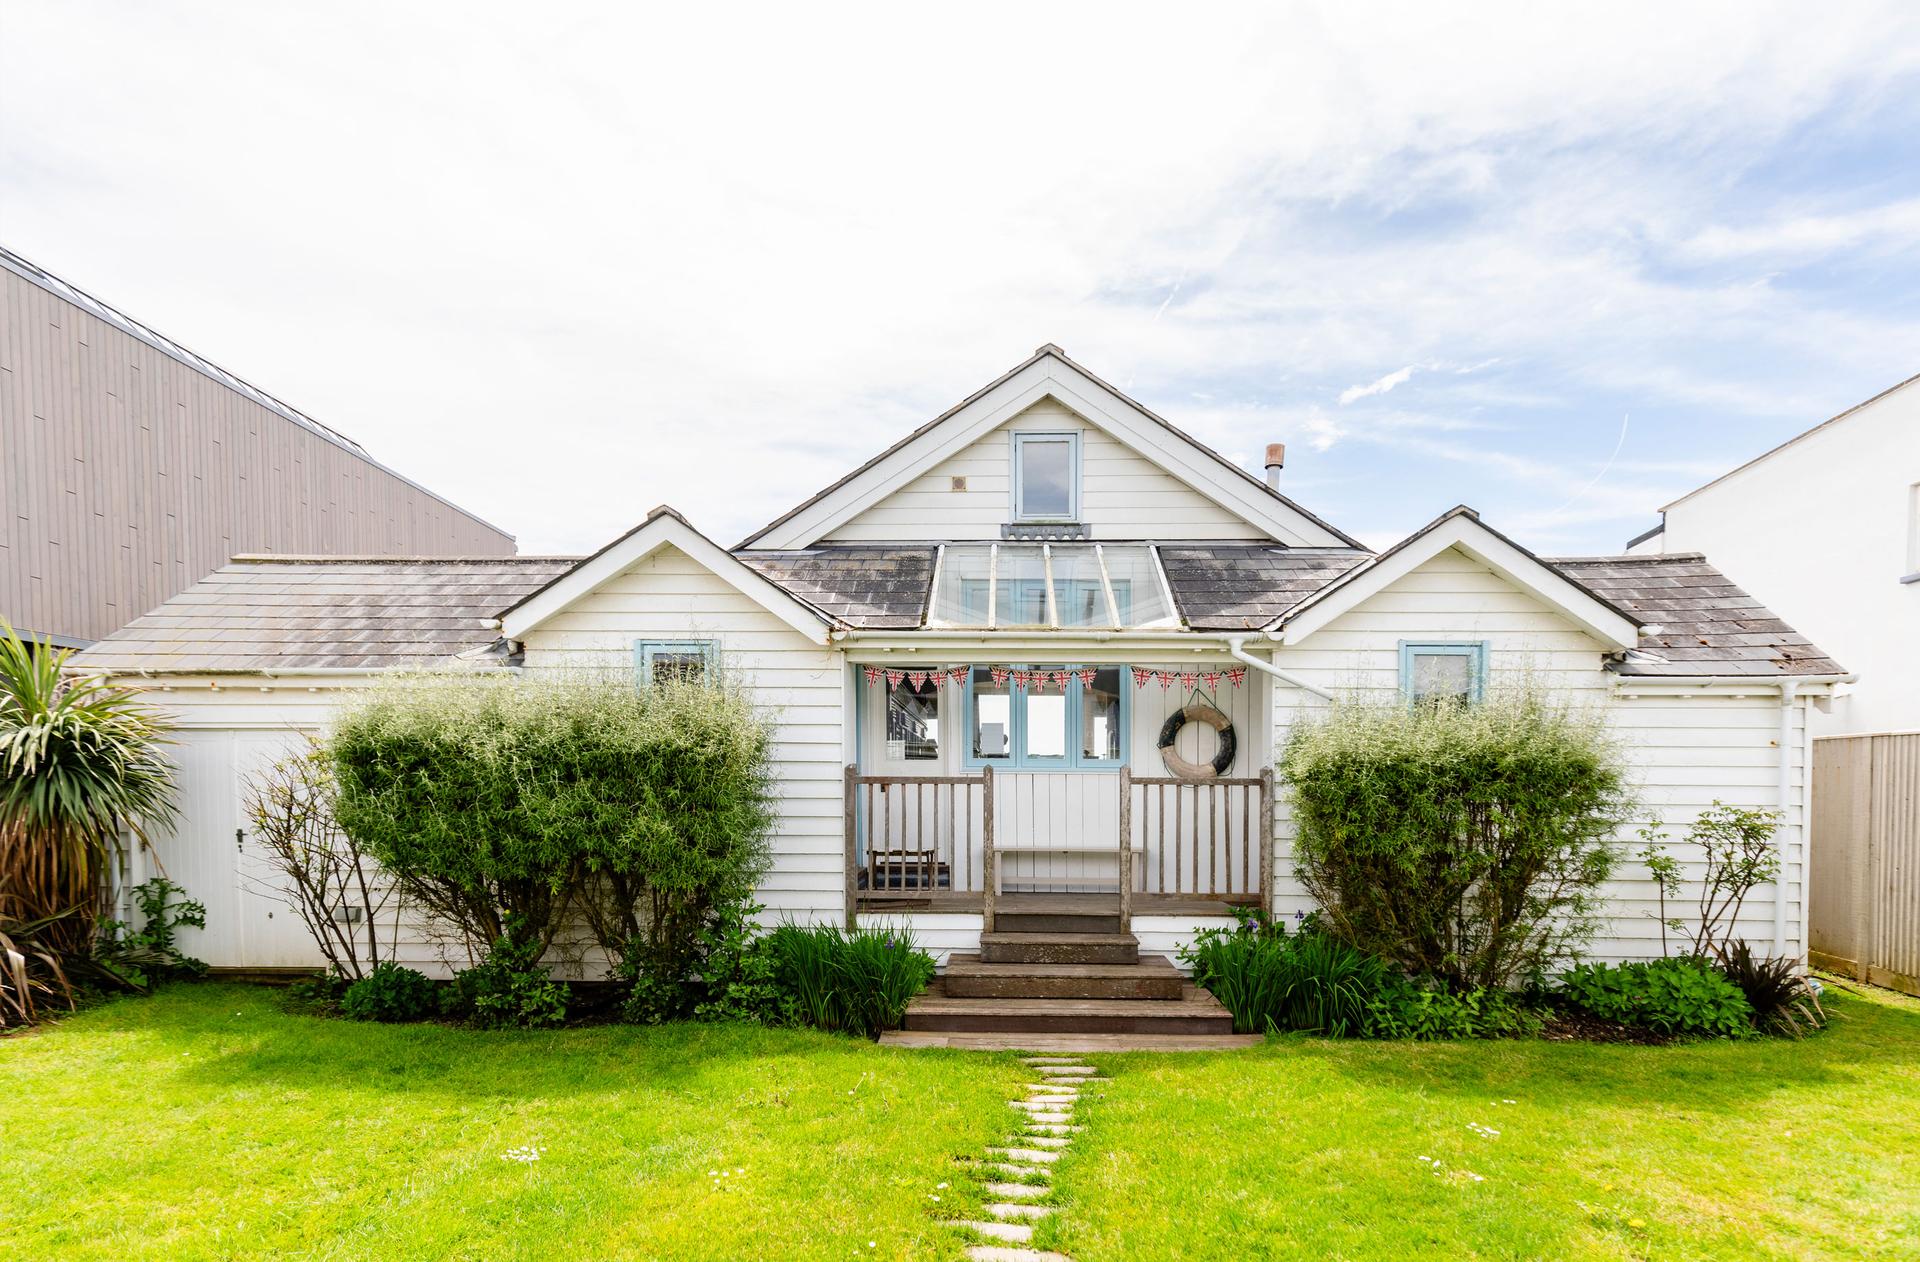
x: 1053, y: 678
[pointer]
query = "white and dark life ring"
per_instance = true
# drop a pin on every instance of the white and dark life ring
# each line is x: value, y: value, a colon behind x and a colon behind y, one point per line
x: 1170, y: 733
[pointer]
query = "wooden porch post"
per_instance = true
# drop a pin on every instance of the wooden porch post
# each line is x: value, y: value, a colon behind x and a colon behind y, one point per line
x: 1126, y: 850
x: 853, y: 813
x: 989, y: 873
x: 1266, y: 839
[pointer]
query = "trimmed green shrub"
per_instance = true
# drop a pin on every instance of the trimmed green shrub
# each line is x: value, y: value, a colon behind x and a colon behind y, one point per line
x: 493, y: 800
x: 391, y: 993
x: 1272, y: 982
x: 1409, y: 1009
x: 1463, y: 843
x: 1684, y: 995
x: 856, y: 980
x: 510, y: 988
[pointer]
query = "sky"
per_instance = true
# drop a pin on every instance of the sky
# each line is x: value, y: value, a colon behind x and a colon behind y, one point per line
x: 564, y: 263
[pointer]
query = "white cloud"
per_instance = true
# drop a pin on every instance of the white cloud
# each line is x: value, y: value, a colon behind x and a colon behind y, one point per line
x: 562, y: 270
x: 1380, y: 385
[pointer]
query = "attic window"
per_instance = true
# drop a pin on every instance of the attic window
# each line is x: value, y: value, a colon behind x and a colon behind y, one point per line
x: 1046, y: 477
x: 1002, y: 586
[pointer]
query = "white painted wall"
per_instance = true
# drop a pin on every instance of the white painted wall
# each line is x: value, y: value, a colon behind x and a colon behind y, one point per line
x: 1822, y: 532
x: 1123, y: 495
x: 796, y: 683
x: 1686, y: 745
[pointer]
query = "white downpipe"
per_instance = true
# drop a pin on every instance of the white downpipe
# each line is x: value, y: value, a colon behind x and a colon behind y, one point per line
x: 1788, y: 689
x: 1237, y: 646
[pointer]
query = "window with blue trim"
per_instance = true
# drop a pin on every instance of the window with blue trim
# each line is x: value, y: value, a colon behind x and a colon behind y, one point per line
x: 1443, y: 672
x: 1080, y: 725
x: 1046, y: 477
x: 657, y: 661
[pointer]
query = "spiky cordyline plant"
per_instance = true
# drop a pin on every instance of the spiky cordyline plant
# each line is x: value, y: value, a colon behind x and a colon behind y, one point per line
x: 80, y: 767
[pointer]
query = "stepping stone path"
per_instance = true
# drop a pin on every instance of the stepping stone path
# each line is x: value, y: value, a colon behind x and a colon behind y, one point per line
x: 1044, y: 1136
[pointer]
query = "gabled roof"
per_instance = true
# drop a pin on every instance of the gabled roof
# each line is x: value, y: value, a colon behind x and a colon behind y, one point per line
x: 331, y: 613
x: 1461, y: 528
x: 1697, y: 621
x: 663, y: 528
x: 1244, y: 587
x: 876, y: 586
x: 1049, y: 372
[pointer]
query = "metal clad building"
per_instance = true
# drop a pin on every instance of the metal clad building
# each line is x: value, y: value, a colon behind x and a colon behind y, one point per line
x: 130, y: 468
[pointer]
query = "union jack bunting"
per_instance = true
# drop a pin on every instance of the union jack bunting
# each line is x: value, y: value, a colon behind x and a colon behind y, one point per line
x: 1211, y: 678
x: 1087, y: 674
x: 959, y: 674
x: 918, y: 678
x: 1140, y: 676
x: 873, y: 674
x: 894, y: 677
x: 1000, y: 674
x: 1237, y: 676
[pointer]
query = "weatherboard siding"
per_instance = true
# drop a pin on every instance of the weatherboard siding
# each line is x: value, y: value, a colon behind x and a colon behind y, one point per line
x: 1123, y: 495
x: 1685, y: 748
x: 796, y: 683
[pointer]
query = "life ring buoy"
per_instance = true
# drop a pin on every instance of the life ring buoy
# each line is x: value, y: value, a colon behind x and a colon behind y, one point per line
x: 1170, y: 732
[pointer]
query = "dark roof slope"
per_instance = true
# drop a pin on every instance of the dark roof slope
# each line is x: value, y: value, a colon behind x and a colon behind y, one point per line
x: 265, y: 613
x: 1243, y: 587
x: 873, y: 587
x: 1706, y: 624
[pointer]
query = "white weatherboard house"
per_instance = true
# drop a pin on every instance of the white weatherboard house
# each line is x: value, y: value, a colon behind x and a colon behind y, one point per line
x: 979, y: 647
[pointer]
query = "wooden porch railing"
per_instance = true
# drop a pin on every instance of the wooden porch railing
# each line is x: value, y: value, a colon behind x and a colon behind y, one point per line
x: 937, y: 840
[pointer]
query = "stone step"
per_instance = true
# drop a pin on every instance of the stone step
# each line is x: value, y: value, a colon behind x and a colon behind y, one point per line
x: 1019, y: 1191
x: 1195, y: 1012
x: 1148, y: 977
x: 1056, y: 921
x: 1017, y: 1041
x: 1041, y: 1155
x: 1008, y: 1233
x: 1007, y: 1209
x: 1059, y: 948
x: 1012, y: 1253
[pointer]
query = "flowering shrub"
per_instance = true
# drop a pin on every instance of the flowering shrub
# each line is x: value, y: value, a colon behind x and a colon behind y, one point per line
x: 1683, y: 995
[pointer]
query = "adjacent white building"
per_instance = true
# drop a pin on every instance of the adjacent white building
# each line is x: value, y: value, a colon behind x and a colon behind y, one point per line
x: 1825, y: 528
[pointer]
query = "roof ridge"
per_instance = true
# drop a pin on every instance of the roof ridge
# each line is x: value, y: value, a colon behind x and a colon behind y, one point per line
x: 1637, y: 558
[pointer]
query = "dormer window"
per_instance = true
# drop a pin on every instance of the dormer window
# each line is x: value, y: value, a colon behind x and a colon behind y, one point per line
x: 1046, y: 477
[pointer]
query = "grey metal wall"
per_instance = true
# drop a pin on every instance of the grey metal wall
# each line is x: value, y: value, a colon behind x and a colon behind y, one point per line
x: 130, y: 469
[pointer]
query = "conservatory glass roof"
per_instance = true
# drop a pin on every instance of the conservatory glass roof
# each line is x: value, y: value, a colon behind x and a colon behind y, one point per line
x: 1054, y: 585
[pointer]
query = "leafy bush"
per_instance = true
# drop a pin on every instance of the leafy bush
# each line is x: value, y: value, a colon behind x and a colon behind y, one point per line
x: 140, y: 957
x: 1737, y: 853
x: 1408, y: 1009
x: 1683, y: 995
x: 1272, y: 982
x: 496, y: 800
x: 857, y: 980
x: 30, y: 973
x: 1778, y: 992
x: 510, y: 988
x: 391, y: 993
x: 737, y: 970
x: 1465, y: 843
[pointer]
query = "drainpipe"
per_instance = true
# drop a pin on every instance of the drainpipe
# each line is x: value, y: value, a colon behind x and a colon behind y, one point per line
x: 1788, y: 689
x: 1237, y: 646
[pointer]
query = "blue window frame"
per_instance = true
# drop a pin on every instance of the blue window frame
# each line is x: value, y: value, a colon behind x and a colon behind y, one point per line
x: 1046, y: 476
x: 1077, y: 728
x: 1442, y: 670
x: 656, y: 660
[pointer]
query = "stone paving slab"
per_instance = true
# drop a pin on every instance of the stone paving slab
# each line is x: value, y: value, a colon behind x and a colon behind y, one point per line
x: 1012, y: 1253
x: 1009, y: 1233
x: 1007, y: 1209
x: 1040, y: 1155
x: 1019, y: 1191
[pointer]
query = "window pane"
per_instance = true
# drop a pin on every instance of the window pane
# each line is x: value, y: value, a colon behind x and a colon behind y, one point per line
x: 1046, y: 477
x: 1077, y: 589
x: 668, y: 666
x: 913, y: 722
x: 1136, y: 588
x: 1046, y: 717
x: 1441, y: 677
x: 1021, y: 590
x: 962, y: 598
x: 1100, y: 716
x: 992, y: 716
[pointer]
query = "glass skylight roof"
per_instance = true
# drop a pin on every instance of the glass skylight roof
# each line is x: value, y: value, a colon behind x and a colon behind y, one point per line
x: 1002, y: 586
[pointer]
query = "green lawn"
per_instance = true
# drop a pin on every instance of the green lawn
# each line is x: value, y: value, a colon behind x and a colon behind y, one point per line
x: 205, y: 1122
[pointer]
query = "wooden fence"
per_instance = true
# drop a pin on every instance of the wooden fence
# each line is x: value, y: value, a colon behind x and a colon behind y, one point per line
x: 1864, y: 875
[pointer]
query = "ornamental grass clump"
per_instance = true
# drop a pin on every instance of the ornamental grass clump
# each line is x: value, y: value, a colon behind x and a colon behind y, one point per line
x: 1466, y: 844
x: 856, y: 980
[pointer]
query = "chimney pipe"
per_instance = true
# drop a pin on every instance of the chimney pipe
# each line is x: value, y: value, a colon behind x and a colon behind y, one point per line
x: 1276, y: 461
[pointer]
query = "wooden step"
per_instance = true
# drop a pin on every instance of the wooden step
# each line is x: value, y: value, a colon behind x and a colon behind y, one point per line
x: 1195, y: 1012
x: 1008, y: 1042
x: 967, y: 976
x: 1059, y: 948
